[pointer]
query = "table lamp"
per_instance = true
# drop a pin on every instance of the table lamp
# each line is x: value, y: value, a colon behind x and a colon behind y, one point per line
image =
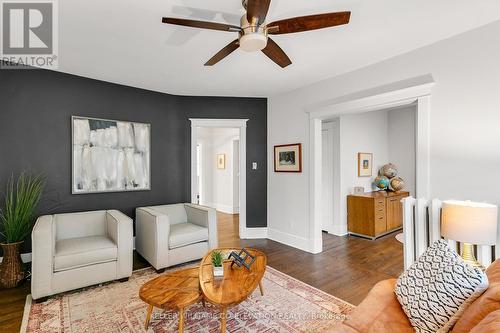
x: 469, y: 223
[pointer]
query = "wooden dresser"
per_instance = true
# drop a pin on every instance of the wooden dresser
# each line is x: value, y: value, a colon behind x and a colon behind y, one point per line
x: 375, y: 214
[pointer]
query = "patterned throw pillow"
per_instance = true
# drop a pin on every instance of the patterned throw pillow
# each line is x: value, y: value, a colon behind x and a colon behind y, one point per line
x: 437, y: 288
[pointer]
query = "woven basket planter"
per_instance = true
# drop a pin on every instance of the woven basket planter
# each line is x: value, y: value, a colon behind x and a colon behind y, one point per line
x: 11, y: 268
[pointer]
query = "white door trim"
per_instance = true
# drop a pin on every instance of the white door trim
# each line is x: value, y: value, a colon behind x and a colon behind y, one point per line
x: 415, y: 90
x: 228, y: 123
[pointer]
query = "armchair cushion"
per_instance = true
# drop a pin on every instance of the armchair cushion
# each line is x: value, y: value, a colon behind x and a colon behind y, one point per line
x: 183, y: 234
x: 81, y: 224
x: 83, y: 251
x: 176, y: 213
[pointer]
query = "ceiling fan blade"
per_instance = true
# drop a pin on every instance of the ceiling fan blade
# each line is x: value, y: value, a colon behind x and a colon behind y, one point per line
x: 276, y: 54
x: 230, y: 48
x: 201, y: 24
x: 305, y: 23
x: 257, y: 10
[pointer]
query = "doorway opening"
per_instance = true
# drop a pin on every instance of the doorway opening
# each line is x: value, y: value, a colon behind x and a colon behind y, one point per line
x: 386, y: 136
x: 415, y: 91
x: 218, y: 172
x: 218, y: 168
x: 367, y: 221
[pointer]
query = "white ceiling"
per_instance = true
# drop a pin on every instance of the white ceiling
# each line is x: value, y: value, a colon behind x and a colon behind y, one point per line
x: 124, y: 41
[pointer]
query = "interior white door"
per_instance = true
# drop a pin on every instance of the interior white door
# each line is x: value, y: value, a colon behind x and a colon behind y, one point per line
x: 327, y: 176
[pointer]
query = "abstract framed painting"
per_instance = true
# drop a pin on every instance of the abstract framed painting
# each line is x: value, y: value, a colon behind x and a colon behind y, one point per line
x: 365, y: 161
x: 288, y: 158
x: 110, y: 155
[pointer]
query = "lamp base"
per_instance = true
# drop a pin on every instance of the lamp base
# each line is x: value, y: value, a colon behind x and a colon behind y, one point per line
x: 467, y: 255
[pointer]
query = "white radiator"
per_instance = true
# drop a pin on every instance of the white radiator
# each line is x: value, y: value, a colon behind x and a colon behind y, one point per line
x: 422, y: 226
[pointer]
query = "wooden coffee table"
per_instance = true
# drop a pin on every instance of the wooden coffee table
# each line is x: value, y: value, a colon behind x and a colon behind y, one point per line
x: 173, y: 291
x: 237, y: 284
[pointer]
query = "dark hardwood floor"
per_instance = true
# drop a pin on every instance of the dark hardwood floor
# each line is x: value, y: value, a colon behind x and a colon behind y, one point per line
x: 347, y: 268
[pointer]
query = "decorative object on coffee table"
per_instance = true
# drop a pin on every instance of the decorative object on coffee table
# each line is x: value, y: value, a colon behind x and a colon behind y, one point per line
x: 236, y: 285
x: 243, y: 258
x: 470, y: 223
x: 174, y: 291
x: 17, y: 218
x: 217, y: 260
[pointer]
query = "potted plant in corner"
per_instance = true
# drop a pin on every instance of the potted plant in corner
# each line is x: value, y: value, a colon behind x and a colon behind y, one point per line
x: 17, y: 217
x: 217, y: 264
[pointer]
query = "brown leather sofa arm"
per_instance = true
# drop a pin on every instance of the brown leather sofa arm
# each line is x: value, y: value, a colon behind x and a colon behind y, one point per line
x: 380, y: 312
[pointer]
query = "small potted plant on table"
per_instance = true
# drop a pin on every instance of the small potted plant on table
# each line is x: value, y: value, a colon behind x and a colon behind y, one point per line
x: 217, y: 263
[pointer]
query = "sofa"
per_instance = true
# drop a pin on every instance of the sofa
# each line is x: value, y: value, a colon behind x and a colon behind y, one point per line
x: 380, y: 311
x: 75, y: 250
x: 168, y: 235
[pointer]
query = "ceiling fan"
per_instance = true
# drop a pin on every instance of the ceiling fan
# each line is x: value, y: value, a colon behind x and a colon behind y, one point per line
x: 253, y: 30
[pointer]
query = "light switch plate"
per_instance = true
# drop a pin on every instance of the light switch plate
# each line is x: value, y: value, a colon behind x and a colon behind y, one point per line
x: 254, y: 166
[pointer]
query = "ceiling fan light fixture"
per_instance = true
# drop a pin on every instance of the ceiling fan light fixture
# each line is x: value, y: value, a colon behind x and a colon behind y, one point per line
x: 253, y: 42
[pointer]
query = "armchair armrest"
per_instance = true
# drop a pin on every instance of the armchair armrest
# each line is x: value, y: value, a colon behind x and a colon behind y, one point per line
x: 152, y: 233
x: 43, y: 247
x: 204, y: 217
x: 120, y: 230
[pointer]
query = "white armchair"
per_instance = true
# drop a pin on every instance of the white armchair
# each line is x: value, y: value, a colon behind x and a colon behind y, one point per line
x: 71, y: 251
x: 168, y: 235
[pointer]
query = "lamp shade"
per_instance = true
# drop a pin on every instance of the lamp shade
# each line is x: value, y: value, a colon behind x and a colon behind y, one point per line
x: 469, y: 222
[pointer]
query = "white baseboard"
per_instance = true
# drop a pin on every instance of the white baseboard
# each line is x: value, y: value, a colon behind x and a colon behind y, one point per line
x: 339, y: 230
x: 223, y: 208
x: 253, y: 233
x: 288, y: 239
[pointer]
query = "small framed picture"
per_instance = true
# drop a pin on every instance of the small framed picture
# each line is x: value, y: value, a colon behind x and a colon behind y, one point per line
x: 288, y: 158
x: 221, y: 161
x: 365, y: 161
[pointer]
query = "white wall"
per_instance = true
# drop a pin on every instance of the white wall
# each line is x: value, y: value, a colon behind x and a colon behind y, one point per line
x: 365, y: 132
x: 401, y: 144
x: 218, y: 184
x: 464, y: 121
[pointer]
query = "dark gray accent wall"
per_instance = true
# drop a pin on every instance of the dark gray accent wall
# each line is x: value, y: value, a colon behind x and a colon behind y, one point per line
x: 35, y: 134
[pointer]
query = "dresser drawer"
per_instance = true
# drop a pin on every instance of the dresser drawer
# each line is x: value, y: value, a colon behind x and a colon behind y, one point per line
x: 379, y: 206
x: 380, y: 224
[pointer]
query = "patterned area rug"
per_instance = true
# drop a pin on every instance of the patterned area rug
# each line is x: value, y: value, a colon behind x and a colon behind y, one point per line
x: 288, y: 305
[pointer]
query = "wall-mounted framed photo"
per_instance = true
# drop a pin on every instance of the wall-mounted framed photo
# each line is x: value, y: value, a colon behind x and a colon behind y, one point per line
x: 110, y: 155
x: 365, y: 164
x: 288, y: 158
x: 221, y: 161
